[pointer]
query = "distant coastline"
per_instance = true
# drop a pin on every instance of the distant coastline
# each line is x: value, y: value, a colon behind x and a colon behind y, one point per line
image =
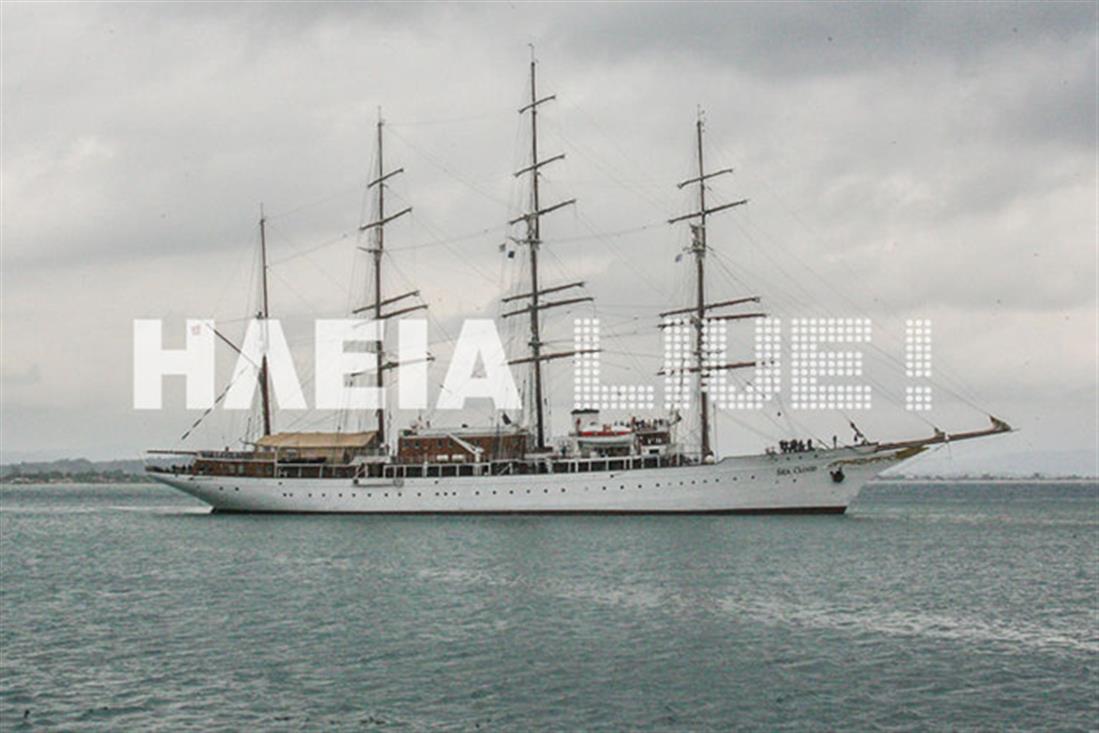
x: 1035, y: 479
x: 74, y: 471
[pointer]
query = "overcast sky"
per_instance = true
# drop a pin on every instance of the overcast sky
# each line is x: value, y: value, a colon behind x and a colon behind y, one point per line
x: 902, y: 160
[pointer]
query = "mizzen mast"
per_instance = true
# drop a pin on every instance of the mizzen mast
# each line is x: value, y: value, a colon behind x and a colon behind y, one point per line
x: 700, y: 308
x: 533, y: 240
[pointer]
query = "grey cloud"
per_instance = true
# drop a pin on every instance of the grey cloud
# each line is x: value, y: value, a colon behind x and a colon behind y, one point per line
x: 922, y: 158
x: 810, y: 39
x: 21, y: 378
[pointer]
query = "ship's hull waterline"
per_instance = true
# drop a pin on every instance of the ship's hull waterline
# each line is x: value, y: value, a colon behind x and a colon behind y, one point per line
x: 823, y: 481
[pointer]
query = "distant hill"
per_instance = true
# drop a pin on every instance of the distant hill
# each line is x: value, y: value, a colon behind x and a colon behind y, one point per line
x: 76, y: 470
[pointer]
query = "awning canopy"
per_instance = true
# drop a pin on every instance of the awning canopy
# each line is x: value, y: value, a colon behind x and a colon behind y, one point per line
x: 318, y: 440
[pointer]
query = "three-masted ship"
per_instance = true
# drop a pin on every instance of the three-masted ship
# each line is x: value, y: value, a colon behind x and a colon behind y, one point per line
x: 634, y: 465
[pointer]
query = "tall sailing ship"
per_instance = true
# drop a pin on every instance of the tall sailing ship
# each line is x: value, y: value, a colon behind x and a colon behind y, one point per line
x: 635, y: 465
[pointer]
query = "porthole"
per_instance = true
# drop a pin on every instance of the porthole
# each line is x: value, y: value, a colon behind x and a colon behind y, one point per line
x: 562, y: 489
x: 511, y: 491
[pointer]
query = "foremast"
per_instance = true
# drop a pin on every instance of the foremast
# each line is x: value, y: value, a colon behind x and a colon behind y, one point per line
x: 265, y: 314
x: 376, y: 250
x: 702, y: 365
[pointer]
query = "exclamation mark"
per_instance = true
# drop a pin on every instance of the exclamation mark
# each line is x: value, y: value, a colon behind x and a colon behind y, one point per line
x: 917, y: 363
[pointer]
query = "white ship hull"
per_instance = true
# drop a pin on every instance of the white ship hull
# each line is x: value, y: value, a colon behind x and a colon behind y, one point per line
x: 788, y: 482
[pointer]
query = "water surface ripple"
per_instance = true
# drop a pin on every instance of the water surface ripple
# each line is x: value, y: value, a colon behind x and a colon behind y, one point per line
x: 941, y: 607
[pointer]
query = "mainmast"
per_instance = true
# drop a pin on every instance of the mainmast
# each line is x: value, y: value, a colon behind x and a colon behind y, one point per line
x: 698, y: 246
x: 379, y: 245
x: 533, y: 241
x: 265, y: 400
x: 376, y: 250
x: 700, y: 308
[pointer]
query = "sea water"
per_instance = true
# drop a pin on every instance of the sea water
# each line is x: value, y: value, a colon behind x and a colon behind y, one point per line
x: 960, y: 606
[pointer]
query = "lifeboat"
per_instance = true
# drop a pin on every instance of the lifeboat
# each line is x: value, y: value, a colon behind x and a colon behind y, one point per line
x: 605, y: 436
